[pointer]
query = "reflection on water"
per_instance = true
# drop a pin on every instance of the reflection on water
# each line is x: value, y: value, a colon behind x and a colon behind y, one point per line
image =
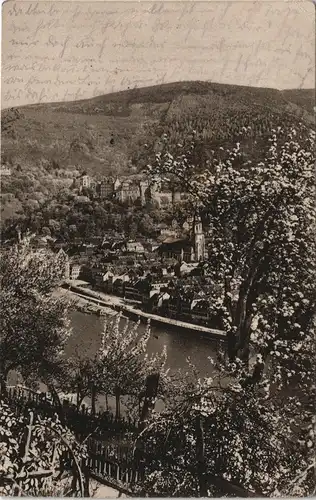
x: 85, y: 340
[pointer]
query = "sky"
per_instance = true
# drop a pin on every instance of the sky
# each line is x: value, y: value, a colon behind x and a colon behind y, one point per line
x: 55, y: 51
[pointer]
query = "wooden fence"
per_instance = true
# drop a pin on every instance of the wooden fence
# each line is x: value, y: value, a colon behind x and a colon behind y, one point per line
x: 112, y: 464
x: 108, y: 462
x: 103, y: 425
x: 103, y: 465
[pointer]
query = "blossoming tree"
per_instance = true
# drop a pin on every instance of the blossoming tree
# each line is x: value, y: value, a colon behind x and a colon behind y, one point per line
x: 124, y: 360
x: 262, y: 218
x: 34, y: 324
x: 260, y: 203
x: 121, y: 364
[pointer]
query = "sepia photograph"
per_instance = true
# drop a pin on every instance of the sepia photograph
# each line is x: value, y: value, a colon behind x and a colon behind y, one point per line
x: 158, y: 250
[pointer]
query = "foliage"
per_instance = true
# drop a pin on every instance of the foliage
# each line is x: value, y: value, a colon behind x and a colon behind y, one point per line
x: 80, y: 377
x: 262, y: 215
x: 65, y: 217
x: 34, y: 325
x: 31, y: 454
x: 120, y: 366
x: 247, y: 440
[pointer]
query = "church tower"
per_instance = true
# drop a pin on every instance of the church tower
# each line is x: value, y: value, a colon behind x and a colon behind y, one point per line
x: 199, y: 239
x: 143, y: 189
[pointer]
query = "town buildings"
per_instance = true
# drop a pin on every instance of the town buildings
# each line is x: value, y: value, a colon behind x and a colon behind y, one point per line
x: 130, y: 189
x: 107, y: 188
x: 6, y: 171
x: 74, y: 271
x: 85, y: 181
x: 134, y: 247
x: 165, y: 274
x: 169, y: 279
x: 191, y: 249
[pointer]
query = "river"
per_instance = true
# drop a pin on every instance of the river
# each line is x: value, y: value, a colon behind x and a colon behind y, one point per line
x: 86, y: 335
x: 85, y: 339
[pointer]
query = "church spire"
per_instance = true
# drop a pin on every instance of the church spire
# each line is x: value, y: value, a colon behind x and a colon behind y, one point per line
x: 199, y: 239
x: 197, y: 228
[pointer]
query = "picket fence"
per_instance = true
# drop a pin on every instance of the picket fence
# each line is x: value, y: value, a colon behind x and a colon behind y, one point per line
x: 113, y: 461
x: 112, y: 465
x: 102, y: 424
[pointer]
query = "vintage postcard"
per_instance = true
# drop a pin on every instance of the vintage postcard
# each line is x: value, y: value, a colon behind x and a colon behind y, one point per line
x: 158, y: 253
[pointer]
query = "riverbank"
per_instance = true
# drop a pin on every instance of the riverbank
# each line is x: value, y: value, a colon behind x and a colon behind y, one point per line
x: 134, y: 312
x: 84, y: 304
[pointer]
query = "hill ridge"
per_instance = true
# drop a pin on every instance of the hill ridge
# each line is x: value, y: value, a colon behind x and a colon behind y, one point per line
x: 108, y: 134
x: 128, y: 95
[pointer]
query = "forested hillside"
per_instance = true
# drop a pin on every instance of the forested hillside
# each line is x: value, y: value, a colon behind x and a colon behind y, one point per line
x: 46, y: 145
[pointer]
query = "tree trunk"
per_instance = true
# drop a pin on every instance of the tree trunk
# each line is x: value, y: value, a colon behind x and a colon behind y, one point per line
x: 79, y: 398
x: 244, y: 355
x: 74, y: 480
x: 79, y: 402
x: 227, y: 300
x: 231, y: 345
x: 56, y: 399
x: 118, y: 404
x: 3, y: 387
x: 150, y: 395
x: 240, y: 310
x: 242, y: 323
x: 93, y: 399
x: 200, y: 457
x: 248, y: 293
x: 106, y: 402
x: 86, y: 475
x: 244, y: 340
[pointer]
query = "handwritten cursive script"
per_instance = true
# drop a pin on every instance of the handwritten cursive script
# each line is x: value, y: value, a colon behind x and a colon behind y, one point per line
x: 55, y: 51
